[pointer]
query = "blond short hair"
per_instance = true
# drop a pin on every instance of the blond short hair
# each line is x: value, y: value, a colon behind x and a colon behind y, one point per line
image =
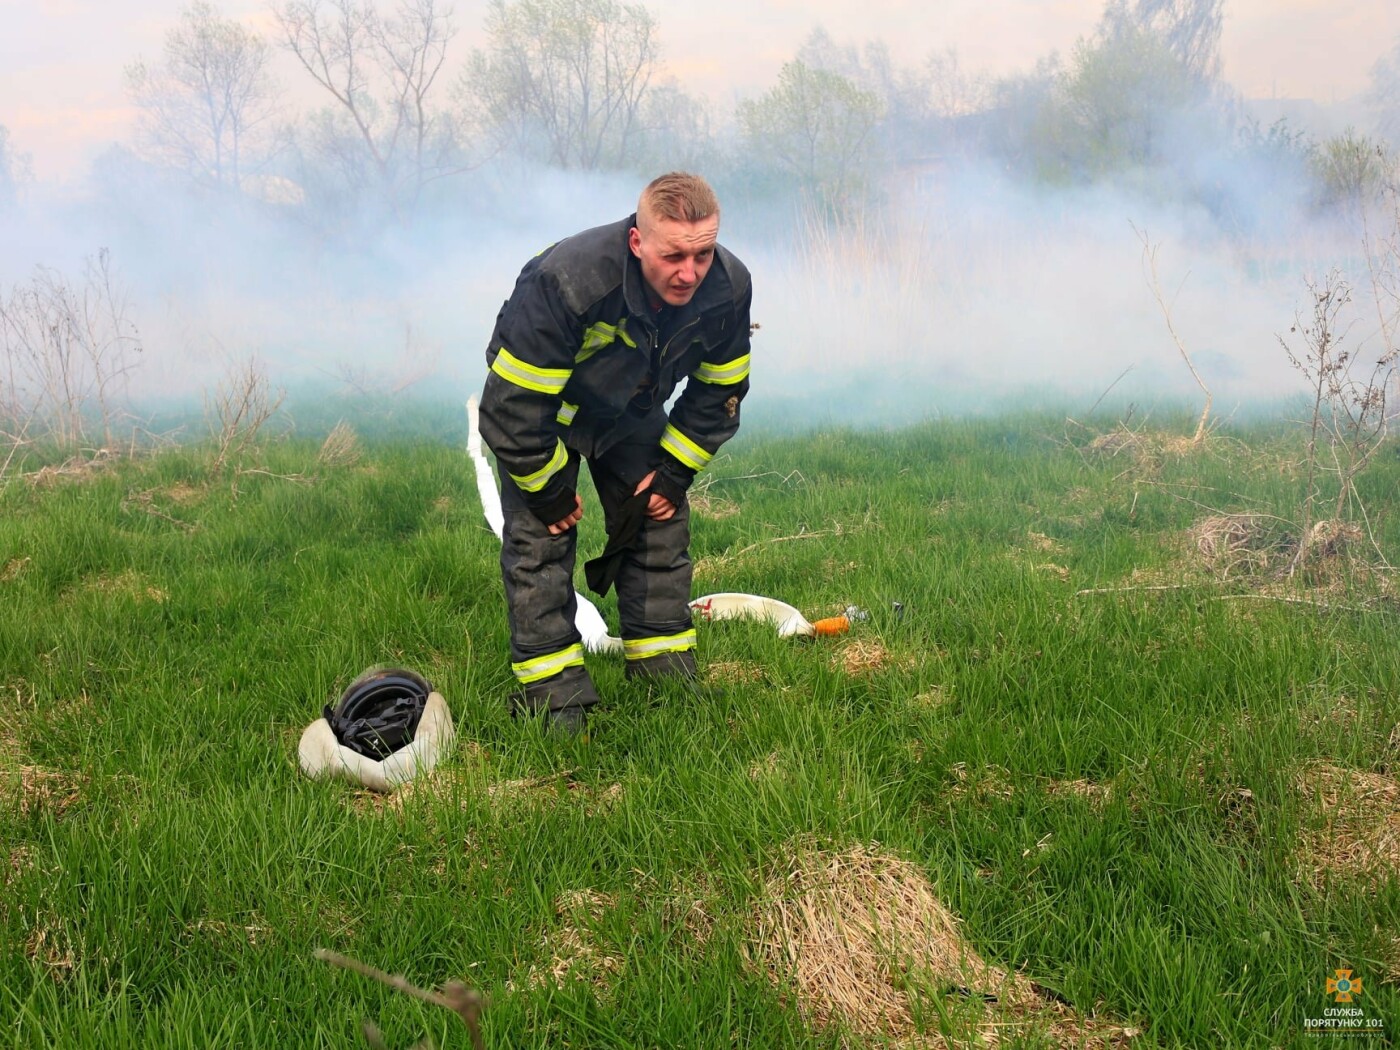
x: 678, y: 196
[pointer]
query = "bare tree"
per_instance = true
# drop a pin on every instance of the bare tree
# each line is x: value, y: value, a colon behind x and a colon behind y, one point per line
x: 954, y: 92
x: 564, y: 80
x: 209, y: 107
x: 1189, y: 28
x: 1384, y: 94
x: 380, y: 71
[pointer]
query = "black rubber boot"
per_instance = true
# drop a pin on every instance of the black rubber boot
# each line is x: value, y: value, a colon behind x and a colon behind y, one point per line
x: 563, y: 700
x: 671, y: 675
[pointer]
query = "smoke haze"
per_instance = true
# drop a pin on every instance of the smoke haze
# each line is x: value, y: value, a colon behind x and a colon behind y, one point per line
x: 962, y: 286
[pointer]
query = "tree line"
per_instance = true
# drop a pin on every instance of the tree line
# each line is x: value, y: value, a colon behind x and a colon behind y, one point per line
x: 580, y: 85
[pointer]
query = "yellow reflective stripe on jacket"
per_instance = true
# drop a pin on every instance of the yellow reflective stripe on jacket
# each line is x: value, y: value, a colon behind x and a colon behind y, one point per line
x: 540, y: 478
x: 726, y: 374
x: 542, y: 667
x: 544, y: 380
x: 601, y: 334
x: 566, y: 414
x: 685, y: 450
x: 641, y: 648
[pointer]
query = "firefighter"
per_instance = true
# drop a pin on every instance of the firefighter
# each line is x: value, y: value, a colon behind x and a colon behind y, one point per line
x: 601, y: 329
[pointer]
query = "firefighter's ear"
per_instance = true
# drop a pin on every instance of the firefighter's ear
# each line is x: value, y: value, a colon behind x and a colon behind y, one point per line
x: 634, y: 241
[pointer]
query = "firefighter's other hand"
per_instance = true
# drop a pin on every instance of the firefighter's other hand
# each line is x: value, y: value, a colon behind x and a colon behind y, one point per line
x: 572, y: 520
x: 659, y: 508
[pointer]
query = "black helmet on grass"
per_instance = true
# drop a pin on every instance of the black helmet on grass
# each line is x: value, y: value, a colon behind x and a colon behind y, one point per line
x: 379, y: 712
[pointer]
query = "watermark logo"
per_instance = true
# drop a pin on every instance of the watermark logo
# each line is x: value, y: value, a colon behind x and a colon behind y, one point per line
x: 1343, y: 1017
x: 1343, y: 986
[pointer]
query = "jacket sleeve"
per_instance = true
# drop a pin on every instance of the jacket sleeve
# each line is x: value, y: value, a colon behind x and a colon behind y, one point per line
x: 706, y: 414
x: 531, y: 358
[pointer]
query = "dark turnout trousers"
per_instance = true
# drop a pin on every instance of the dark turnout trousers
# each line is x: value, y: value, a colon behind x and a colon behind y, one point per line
x: 653, y: 587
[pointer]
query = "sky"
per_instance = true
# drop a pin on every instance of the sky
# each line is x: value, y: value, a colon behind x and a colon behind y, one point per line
x: 63, y: 100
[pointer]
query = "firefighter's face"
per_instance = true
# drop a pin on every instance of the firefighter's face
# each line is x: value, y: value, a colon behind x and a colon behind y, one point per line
x: 675, y: 255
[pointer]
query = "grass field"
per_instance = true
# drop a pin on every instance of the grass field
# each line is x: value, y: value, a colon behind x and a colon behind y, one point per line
x: 1105, y: 778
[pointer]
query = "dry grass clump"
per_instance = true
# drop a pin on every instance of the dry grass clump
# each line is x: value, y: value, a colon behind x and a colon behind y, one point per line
x: 1255, y: 544
x: 341, y: 448
x: 1041, y: 542
x: 734, y: 672
x: 690, y: 908
x: 83, y: 467
x: 1096, y: 794
x: 867, y: 656
x: 572, y: 948
x: 32, y: 790
x: 20, y: 860
x: 989, y: 782
x: 932, y: 697
x: 128, y: 584
x: 49, y: 945
x: 144, y: 501
x: 1234, y: 543
x: 860, y: 941
x: 1330, y: 538
x: 1360, y: 832
x: 1143, y: 444
x: 183, y: 493
x: 767, y: 766
x: 220, y: 930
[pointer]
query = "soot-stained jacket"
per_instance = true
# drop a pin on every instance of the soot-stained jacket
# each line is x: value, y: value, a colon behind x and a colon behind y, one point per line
x: 577, y: 361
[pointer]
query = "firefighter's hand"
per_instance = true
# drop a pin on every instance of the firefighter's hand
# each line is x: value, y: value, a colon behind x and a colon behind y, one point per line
x: 659, y: 508
x: 573, y: 519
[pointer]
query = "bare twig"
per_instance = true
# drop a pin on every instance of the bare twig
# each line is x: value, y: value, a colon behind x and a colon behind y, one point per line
x: 1149, y: 264
x: 300, y: 479
x: 838, y: 530
x: 1140, y: 587
x: 454, y: 995
x: 240, y: 407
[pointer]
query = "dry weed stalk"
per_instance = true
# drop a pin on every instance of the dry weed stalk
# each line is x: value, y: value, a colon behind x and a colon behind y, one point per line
x: 67, y: 350
x: 341, y: 447
x: 242, y: 403
x: 1348, y: 419
x: 1149, y: 265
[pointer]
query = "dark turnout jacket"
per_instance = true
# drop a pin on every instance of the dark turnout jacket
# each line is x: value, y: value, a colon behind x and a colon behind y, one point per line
x: 578, y: 360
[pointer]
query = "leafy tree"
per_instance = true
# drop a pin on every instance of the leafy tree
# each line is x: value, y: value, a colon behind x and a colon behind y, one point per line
x: 816, y: 126
x: 1114, y: 108
x: 907, y: 122
x: 674, y: 132
x: 1352, y: 171
x: 208, y: 108
x: 383, y: 134
x: 565, y: 81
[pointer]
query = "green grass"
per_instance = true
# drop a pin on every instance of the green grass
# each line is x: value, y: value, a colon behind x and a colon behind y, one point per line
x: 165, y: 635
